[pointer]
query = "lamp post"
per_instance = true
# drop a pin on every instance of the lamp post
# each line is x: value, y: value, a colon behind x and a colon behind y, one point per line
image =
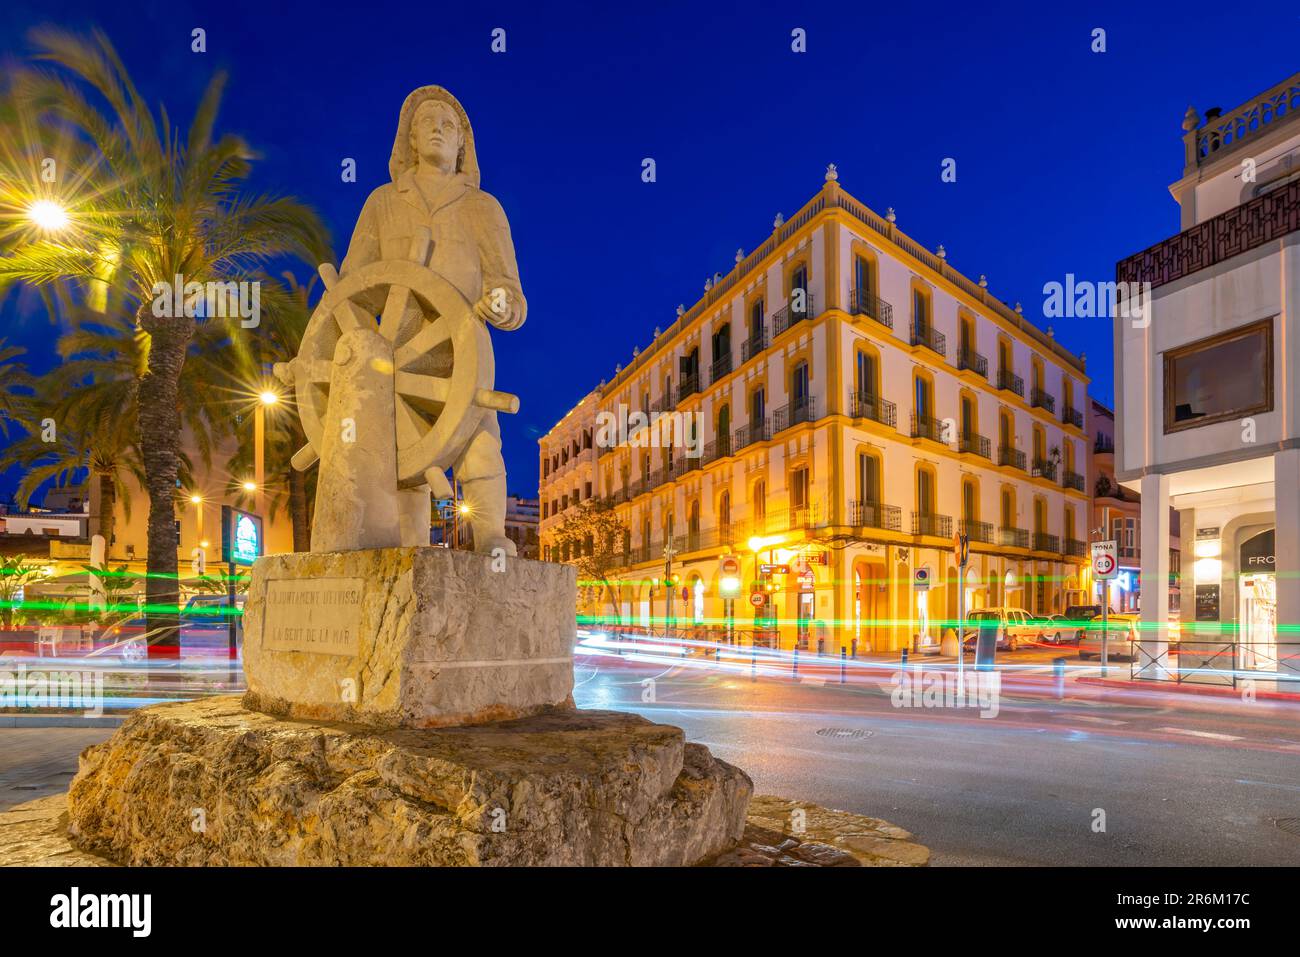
x: 197, y: 501
x: 265, y: 399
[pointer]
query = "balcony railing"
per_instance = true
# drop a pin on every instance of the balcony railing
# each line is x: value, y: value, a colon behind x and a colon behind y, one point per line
x: 970, y: 359
x: 1046, y: 543
x: 753, y: 345
x: 687, y: 463
x: 747, y: 435
x: 1103, y: 445
x: 1043, y: 468
x: 977, y: 531
x: 1253, y: 119
x: 868, y: 405
x: 875, y: 515
x: 1011, y: 456
x: 1264, y: 219
x: 973, y: 443
x: 788, y: 315
x: 1072, y: 416
x: 717, y: 449
x: 1013, y: 537
x: 863, y: 302
x: 926, y: 427
x: 926, y: 523
x: 721, y: 367
x: 1072, y: 480
x: 1075, y: 548
x: 801, y: 410
x: 689, y: 385
x: 1040, y: 399
x: 1011, y: 382
x: 924, y: 334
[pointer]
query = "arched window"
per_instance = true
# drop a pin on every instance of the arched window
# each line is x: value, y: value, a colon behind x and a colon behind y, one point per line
x: 724, y: 511
x: 760, y: 501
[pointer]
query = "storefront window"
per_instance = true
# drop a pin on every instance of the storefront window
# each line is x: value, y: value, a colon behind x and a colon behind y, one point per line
x: 1198, y: 393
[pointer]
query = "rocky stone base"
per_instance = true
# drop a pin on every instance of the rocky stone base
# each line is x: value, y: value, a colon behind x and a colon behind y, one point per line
x: 211, y: 783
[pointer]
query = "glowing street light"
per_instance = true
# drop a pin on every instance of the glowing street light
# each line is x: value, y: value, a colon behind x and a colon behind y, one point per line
x: 48, y: 215
x: 196, y: 499
x: 250, y: 486
x: 268, y: 397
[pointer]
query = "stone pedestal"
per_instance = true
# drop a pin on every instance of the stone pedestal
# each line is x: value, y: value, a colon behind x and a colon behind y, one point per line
x: 210, y: 782
x: 408, y: 637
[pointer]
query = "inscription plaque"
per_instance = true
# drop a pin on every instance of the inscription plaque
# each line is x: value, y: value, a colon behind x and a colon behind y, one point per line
x: 318, y: 615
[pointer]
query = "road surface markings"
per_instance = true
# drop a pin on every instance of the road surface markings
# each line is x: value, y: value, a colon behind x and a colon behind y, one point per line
x: 1089, y: 718
x: 1200, y: 734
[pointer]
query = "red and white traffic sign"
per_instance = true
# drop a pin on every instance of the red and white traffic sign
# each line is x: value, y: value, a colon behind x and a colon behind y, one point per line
x: 756, y: 598
x: 1105, y: 562
x: 730, y: 565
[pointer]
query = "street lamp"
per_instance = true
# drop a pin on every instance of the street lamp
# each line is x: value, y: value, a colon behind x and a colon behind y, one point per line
x: 197, y: 500
x: 265, y: 399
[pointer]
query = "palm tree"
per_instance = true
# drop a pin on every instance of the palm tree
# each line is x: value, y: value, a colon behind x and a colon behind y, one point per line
x: 162, y: 207
x: 14, y: 388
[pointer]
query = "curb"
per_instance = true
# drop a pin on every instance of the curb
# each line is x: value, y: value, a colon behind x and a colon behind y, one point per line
x: 1210, y: 690
x: 59, y: 721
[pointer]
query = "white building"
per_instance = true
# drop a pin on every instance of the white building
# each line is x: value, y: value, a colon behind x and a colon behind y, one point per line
x: 1207, y: 398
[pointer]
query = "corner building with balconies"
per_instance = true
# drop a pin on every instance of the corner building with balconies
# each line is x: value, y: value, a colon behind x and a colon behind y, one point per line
x: 856, y: 403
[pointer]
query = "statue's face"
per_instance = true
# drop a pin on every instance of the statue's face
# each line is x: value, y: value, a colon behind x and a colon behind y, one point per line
x: 436, y: 136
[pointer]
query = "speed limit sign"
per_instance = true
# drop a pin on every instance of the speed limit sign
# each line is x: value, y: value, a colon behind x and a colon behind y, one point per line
x: 1105, y: 565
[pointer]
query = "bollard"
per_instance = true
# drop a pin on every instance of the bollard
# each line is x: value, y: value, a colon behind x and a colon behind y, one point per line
x: 843, y: 663
x: 795, y: 670
x: 717, y: 652
x: 904, y: 657
x: 753, y: 663
x: 1058, y: 672
x: 821, y: 647
x: 855, y: 648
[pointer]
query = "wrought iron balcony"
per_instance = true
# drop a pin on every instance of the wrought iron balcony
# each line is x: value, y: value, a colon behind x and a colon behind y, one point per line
x: 1075, y: 548
x: 1072, y: 480
x: 1264, y: 219
x: 1103, y: 445
x: 1043, y: 468
x: 1013, y: 457
x: 970, y: 359
x: 973, y: 443
x: 754, y: 345
x: 721, y: 367
x: 687, y: 463
x: 924, y: 334
x: 717, y: 449
x: 868, y: 405
x: 801, y: 410
x: 747, y: 435
x: 977, y: 531
x: 926, y: 427
x: 689, y: 385
x: 927, y: 523
x: 1010, y: 382
x: 789, y: 315
x: 1013, y: 537
x: 1040, y: 399
x: 1072, y: 416
x: 1044, y: 542
x: 875, y: 515
x: 863, y: 302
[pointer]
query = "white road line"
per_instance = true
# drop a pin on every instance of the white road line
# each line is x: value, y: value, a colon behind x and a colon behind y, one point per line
x: 1200, y: 734
x: 1089, y: 718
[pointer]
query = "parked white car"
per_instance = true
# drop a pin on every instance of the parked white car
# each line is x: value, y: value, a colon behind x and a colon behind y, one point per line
x: 1121, y: 637
x: 1015, y: 627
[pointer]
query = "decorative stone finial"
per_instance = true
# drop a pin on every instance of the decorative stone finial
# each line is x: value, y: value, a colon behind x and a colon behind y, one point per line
x: 889, y: 214
x: 656, y: 332
x: 832, y: 174
x: 1191, y: 119
x: 1019, y: 310
x: 984, y: 281
x: 681, y: 310
x: 1083, y: 357
x: 740, y: 256
x: 1051, y: 333
x: 941, y: 252
x: 708, y: 284
x: 618, y: 368
x: 777, y: 223
x: 636, y: 351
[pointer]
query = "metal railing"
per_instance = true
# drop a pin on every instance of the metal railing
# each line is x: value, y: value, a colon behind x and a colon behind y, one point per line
x: 717, y: 448
x: 977, y: 531
x: 754, y: 345
x: 863, y: 302
x: 926, y: 427
x: 789, y: 315
x: 1043, y: 542
x: 875, y: 515
x: 721, y: 367
x: 747, y: 435
x: 801, y: 410
x: 1010, y: 382
x: 924, y: 334
x: 1043, y: 468
x: 974, y: 443
x: 1072, y: 480
x: 868, y: 405
x: 1013, y: 537
x: 1072, y: 416
x: 689, y: 385
x: 928, y: 523
x: 1075, y: 548
x: 970, y: 359
x: 1013, y: 457
x: 1040, y: 399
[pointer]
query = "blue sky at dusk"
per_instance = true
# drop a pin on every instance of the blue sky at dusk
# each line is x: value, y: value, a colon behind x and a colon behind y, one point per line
x: 1063, y: 156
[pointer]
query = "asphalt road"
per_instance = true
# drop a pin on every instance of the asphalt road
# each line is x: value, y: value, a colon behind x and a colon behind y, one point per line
x: 1180, y: 779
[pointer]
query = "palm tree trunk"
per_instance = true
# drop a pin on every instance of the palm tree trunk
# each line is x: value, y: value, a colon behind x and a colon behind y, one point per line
x: 160, y: 432
x: 107, y: 505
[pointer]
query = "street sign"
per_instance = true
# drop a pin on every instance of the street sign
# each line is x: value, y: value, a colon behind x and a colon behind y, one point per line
x: 730, y: 566
x: 774, y: 569
x: 1105, y: 563
x: 815, y: 558
x: 921, y: 579
x: 241, y: 536
x: 756, y: 599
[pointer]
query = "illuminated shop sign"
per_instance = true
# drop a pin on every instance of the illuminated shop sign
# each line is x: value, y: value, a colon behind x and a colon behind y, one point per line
x: 241, y: 536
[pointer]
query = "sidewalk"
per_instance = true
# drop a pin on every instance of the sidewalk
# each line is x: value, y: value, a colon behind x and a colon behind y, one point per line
x: 1186, y: 687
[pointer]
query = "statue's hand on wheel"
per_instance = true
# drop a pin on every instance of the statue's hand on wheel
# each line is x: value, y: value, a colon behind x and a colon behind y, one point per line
x: 499, y: 307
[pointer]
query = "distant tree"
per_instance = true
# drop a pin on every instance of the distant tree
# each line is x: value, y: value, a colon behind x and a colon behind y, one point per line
x: 594, y: 536
x: 14, y: 388
x: 16, y: 573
